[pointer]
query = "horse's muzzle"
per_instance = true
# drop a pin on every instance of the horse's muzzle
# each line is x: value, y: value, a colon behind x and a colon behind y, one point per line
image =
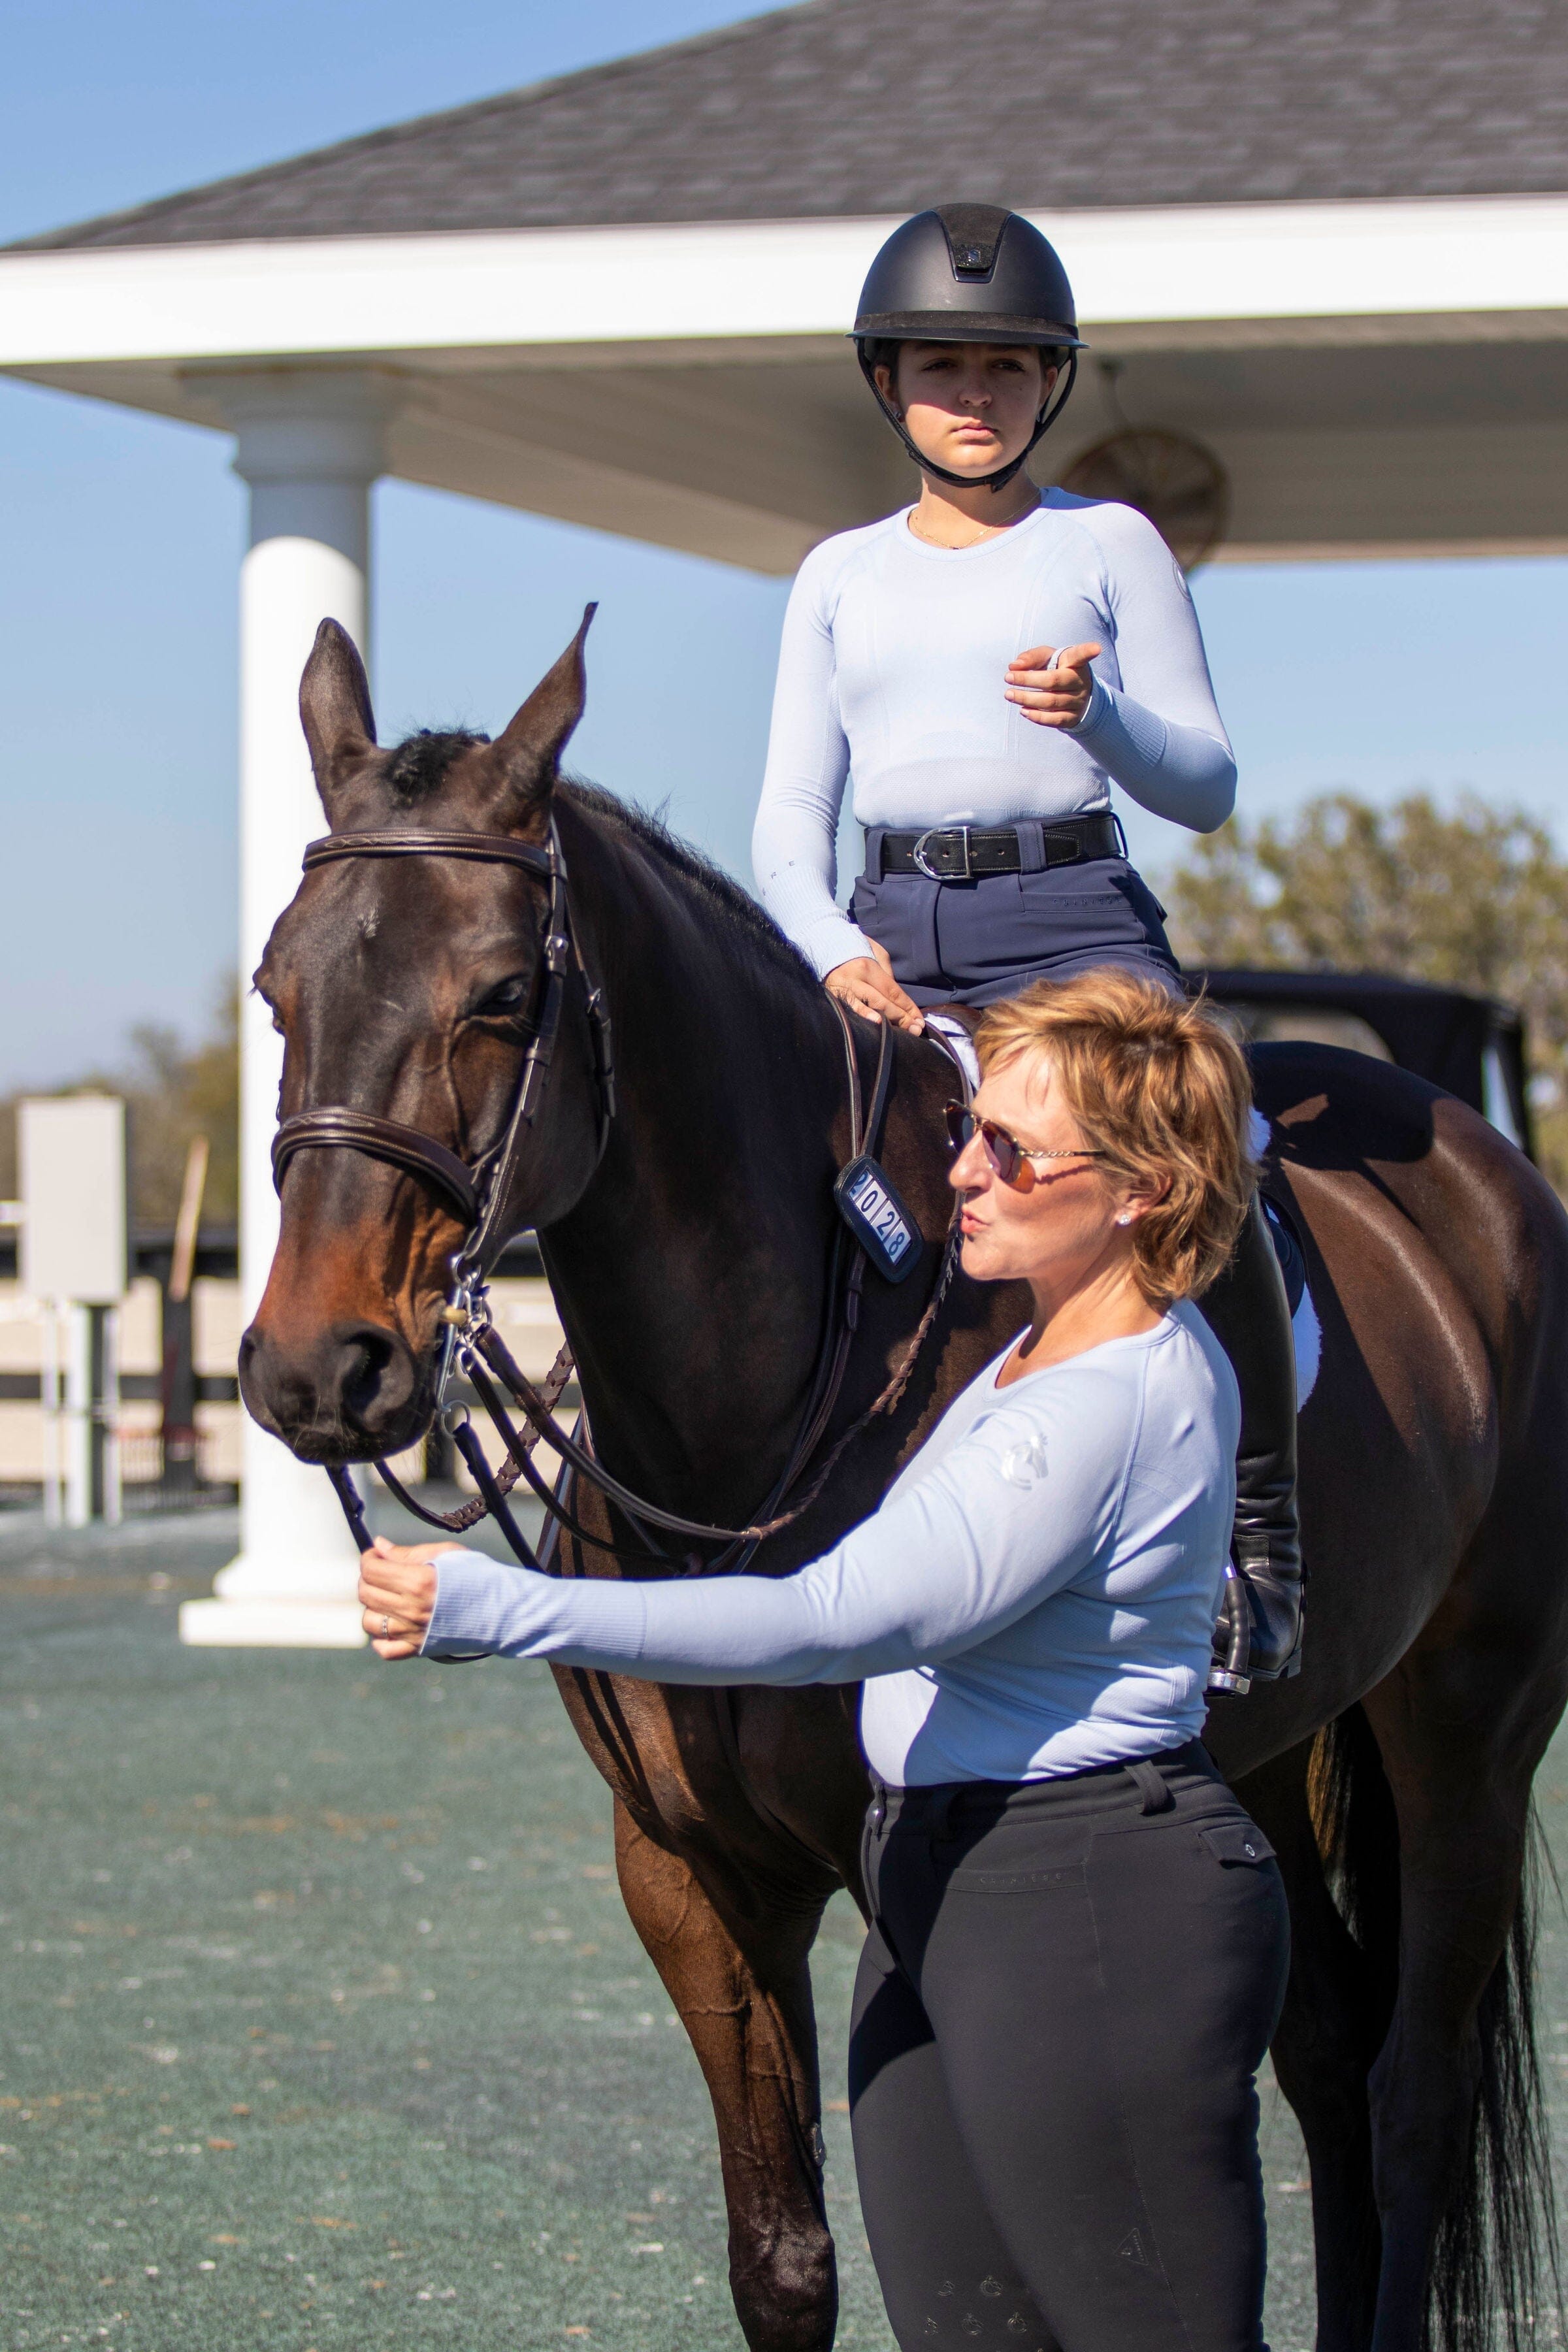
x: 353, y: 1391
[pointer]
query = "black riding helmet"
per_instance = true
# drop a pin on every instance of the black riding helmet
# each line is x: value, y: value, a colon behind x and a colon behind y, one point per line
x: 969, y: 274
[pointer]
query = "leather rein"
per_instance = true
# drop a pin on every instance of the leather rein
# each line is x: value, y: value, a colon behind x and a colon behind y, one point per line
x: 478, y: 1194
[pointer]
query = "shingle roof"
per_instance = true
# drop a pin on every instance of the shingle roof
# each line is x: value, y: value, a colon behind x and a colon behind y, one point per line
x: 884, y: 106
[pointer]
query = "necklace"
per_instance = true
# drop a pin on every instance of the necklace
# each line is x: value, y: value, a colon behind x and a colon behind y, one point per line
x: 986, y: 530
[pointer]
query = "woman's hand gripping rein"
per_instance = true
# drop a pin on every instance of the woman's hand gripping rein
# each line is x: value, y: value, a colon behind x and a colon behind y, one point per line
x: 397, y: 1593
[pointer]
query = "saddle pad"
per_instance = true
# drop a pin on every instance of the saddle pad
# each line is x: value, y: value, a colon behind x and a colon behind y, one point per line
x: 1309, y: 1334
x: 1305, y: 1327
x: 957, y: 1041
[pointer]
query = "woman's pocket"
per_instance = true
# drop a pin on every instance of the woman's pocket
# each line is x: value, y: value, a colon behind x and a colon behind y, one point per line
x: 1019, y: 1853
x: 1115, y: 908
x: 1236, y: 1845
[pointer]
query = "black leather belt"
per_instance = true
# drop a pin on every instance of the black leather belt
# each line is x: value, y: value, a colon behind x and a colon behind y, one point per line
x: 964, y: 853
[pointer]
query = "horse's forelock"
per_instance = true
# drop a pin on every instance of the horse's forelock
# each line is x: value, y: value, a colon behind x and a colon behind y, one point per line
x: 417, y: 768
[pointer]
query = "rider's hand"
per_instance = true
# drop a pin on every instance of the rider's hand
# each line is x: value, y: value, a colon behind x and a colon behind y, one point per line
x: 867, y: 986
x: 1057, y: 694
x: 397, y: 1593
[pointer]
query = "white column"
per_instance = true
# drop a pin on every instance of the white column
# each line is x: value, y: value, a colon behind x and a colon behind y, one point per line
x: 310, y: 447
x: 78, y: 1417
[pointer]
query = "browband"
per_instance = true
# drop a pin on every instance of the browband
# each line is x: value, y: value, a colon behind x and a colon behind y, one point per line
x: 487, y: 848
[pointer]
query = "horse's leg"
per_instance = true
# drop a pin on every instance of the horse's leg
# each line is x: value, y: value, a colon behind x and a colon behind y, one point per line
x: 1462, y: 1723
x: 742, y: 1990
x: 1323, y: 2047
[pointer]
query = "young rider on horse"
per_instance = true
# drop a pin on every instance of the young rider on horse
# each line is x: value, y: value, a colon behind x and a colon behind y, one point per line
x: 984, y: 666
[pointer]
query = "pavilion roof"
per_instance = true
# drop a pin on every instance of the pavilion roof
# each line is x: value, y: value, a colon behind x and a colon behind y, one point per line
x: 876, y: 107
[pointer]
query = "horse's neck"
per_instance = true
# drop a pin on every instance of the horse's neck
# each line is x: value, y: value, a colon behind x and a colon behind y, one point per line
x: 691, y: 1277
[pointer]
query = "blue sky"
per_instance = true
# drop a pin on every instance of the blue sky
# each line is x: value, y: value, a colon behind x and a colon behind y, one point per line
x: 121, y: 537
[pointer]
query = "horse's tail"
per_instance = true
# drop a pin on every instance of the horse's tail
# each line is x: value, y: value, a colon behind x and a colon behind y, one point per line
x: 1495, y: 2269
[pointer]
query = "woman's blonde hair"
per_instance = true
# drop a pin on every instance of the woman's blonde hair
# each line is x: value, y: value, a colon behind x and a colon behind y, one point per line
x: 1161, y: 1088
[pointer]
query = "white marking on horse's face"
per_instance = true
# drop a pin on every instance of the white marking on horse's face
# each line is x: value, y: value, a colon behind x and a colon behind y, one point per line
x: 369, y: 924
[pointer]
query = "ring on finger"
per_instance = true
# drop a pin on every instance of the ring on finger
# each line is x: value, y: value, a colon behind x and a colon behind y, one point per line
x: 385, y: 1627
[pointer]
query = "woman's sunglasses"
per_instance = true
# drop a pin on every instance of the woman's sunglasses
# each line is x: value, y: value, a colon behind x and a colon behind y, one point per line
x: 1004, y: 1151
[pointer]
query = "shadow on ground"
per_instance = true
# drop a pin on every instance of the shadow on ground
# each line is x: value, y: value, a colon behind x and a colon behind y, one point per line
x: 324, y: 2026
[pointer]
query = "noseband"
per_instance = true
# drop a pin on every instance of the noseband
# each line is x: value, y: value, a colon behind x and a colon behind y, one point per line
x: 478, y: 1193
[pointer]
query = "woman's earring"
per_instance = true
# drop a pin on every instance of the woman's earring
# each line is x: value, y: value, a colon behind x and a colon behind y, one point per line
x: 1124, y: 1220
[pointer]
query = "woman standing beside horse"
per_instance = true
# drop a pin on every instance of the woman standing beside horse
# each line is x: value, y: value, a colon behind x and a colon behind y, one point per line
x: 984, y: 666
x: 1054, y: 2112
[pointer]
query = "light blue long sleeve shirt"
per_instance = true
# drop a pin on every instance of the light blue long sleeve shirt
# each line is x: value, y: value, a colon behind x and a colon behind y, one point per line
x: 892, y: 676
x: 1035, y: 1595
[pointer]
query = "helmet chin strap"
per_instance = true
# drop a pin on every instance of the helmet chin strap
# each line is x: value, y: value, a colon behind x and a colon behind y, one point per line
x: 1055, y: 403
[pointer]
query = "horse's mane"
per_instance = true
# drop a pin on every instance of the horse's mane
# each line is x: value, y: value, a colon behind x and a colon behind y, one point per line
x: 722, y: 896
x: 417, y: 766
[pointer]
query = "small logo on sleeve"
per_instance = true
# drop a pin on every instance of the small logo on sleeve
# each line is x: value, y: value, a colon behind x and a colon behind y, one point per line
x: 1024, y: 1465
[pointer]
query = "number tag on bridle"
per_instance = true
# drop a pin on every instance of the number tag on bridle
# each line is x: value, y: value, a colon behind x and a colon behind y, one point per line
x: 878, y: 1218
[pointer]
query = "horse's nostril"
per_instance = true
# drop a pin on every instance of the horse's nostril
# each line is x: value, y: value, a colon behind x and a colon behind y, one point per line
x: 375, y: 1374
x: 348, y: 1389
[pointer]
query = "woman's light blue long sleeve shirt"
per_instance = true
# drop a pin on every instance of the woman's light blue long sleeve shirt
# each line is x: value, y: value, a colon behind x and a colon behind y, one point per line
x: 1035, y: 1594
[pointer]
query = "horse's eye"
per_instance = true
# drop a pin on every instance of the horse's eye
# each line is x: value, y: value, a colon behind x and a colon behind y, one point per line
x: 510, y: 997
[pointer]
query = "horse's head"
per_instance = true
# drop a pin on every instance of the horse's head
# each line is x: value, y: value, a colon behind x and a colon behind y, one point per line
x: 405, y: 987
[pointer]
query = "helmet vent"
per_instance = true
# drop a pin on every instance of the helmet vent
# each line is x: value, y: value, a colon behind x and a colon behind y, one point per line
x: 972, y: 233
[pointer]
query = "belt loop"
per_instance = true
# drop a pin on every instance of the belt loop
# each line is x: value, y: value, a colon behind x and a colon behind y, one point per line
x: 1031, y: 836
x: 875, y: 836
x: 1150, y: 1786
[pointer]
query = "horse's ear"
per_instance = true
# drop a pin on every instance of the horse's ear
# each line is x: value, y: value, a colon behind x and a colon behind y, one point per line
x: 334, y: 709
x: 525, y: 757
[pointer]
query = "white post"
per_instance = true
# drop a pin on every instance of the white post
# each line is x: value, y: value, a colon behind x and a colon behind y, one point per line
x: 78, y: 1417
x: 310, y: 447
x: 113, y: 1492
x: 51, y: 1311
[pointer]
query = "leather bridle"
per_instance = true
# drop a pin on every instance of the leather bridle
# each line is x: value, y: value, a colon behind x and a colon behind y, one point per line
x: 479, y: 1195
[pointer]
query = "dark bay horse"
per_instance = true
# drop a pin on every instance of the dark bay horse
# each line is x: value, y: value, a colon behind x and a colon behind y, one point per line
x: 690, y: 1265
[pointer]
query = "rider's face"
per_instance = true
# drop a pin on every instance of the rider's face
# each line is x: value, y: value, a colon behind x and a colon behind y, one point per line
x: 1059, y: 1222
x: 969, y: 407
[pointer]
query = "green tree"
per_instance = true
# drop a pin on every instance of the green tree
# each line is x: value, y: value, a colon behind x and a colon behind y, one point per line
x: 1472, y: 897
x: 173, y: 1092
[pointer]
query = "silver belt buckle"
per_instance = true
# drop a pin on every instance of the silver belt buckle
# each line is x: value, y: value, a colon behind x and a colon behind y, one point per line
x: 965, y: 875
